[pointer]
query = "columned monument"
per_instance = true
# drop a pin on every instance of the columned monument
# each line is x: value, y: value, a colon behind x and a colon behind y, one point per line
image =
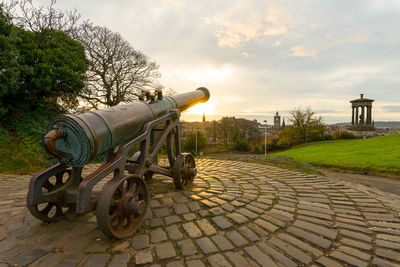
x: 361, y: 111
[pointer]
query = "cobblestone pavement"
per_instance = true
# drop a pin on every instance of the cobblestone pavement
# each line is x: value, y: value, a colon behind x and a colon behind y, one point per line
x: 236, y: 214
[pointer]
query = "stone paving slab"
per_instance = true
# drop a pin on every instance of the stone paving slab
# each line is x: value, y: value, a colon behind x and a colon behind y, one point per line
x: 235, y: 214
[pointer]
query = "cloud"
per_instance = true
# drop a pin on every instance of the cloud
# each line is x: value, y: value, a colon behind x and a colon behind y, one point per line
x: 327, y: 111
x: 248, y: 21
x: 391, y: 108
x: 302, y: 51
x: 247, y: 55
x: 358, y: 38
x: 202, y: 74
x: 273, y: 31
x: 177, y: 3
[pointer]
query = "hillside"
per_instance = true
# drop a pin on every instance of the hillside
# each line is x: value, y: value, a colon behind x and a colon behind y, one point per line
x: 379, y: 154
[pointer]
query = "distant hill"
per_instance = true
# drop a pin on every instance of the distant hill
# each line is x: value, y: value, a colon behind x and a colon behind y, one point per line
x: 378, y: 124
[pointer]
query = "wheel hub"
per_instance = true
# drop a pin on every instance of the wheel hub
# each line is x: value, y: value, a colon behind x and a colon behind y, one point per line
x: 136, y: 208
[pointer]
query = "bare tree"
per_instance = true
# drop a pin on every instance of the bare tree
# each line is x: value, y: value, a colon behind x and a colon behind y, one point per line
x: 8, y: 7
x: 168, y: 91
x: 38, y: 18
x: 117, y: 72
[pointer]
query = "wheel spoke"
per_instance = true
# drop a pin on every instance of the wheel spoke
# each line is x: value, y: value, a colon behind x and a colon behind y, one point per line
x: 134, y: 188
x: 48, y: 185
x: 114, y: 222
x: 46, y: 210
x: 120, y: 225
x: 59, y: 211
x: 59, y: 178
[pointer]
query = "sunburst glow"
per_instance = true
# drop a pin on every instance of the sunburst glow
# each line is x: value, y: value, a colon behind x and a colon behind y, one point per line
x: 201, y: 108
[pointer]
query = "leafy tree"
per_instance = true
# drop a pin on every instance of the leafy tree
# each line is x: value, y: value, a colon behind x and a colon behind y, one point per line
x: 305, y: 128
x: 42, y: 70
x: 231, y: 129
x: 9, y: 67
x: 190, y: 142
x: 288, y: 137
x: 51, y: 71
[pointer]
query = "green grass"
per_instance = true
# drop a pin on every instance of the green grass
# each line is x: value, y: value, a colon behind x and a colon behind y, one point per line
x: 20, y: 155
x: 379, y: 154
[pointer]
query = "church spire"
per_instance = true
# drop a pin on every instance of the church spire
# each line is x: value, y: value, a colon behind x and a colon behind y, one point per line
x: 204, y: 117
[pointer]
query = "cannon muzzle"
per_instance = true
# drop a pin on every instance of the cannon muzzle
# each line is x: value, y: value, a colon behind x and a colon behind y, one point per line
x: 77, y: 139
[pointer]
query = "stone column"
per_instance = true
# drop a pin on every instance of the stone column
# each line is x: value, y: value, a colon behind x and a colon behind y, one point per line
x: 352, y: 115
x: 369, y: 111
x: 362, y: 114
x: 357, y: 115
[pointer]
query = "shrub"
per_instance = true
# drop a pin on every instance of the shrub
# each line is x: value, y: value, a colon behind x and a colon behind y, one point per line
x: 343, y: 134
x: 258, y: 148
x: 242, y: 145
x: 3, y: 135
x: 274, y: 145
x: 224, y: 147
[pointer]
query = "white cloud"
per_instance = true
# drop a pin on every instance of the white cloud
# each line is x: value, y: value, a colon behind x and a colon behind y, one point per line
x: 302, y: 51
x: 248, y: 21
x: 247, y: 55
x: 358, y: 38
x: 177, y: 3
x: 273, y: 31
x: 199, y: 75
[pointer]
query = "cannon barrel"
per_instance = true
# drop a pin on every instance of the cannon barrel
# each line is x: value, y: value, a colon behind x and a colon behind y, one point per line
x: 77, y: 139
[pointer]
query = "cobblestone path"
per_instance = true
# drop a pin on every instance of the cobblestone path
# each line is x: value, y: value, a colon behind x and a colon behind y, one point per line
x: 236, y: 214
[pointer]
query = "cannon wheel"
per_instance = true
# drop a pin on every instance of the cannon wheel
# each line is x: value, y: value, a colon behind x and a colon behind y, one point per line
x: 50, y: 211
x: 184, y: 170
x: 122, y: 206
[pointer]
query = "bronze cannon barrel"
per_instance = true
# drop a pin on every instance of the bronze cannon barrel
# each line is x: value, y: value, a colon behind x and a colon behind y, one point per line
x: 77, y: 139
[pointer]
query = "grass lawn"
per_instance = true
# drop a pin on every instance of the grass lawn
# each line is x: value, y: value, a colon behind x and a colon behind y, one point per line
x: 378, y: 154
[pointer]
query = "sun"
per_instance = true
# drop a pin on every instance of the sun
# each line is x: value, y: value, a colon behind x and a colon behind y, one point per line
x: 201, y: 108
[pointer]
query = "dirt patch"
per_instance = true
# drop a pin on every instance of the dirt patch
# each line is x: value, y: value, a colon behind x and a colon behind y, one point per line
x: 387, y: 184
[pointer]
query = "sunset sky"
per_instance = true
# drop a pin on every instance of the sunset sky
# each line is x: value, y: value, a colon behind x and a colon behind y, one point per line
x: 259, y: 57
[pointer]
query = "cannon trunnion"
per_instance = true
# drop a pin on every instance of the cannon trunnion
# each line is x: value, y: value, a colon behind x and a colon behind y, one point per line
x: 114, y: 133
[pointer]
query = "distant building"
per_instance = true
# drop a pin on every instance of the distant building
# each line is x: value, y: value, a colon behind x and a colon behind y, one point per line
x: 277, y: 121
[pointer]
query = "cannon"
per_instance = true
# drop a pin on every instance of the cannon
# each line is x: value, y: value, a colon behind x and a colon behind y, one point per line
x: 129, y: 138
